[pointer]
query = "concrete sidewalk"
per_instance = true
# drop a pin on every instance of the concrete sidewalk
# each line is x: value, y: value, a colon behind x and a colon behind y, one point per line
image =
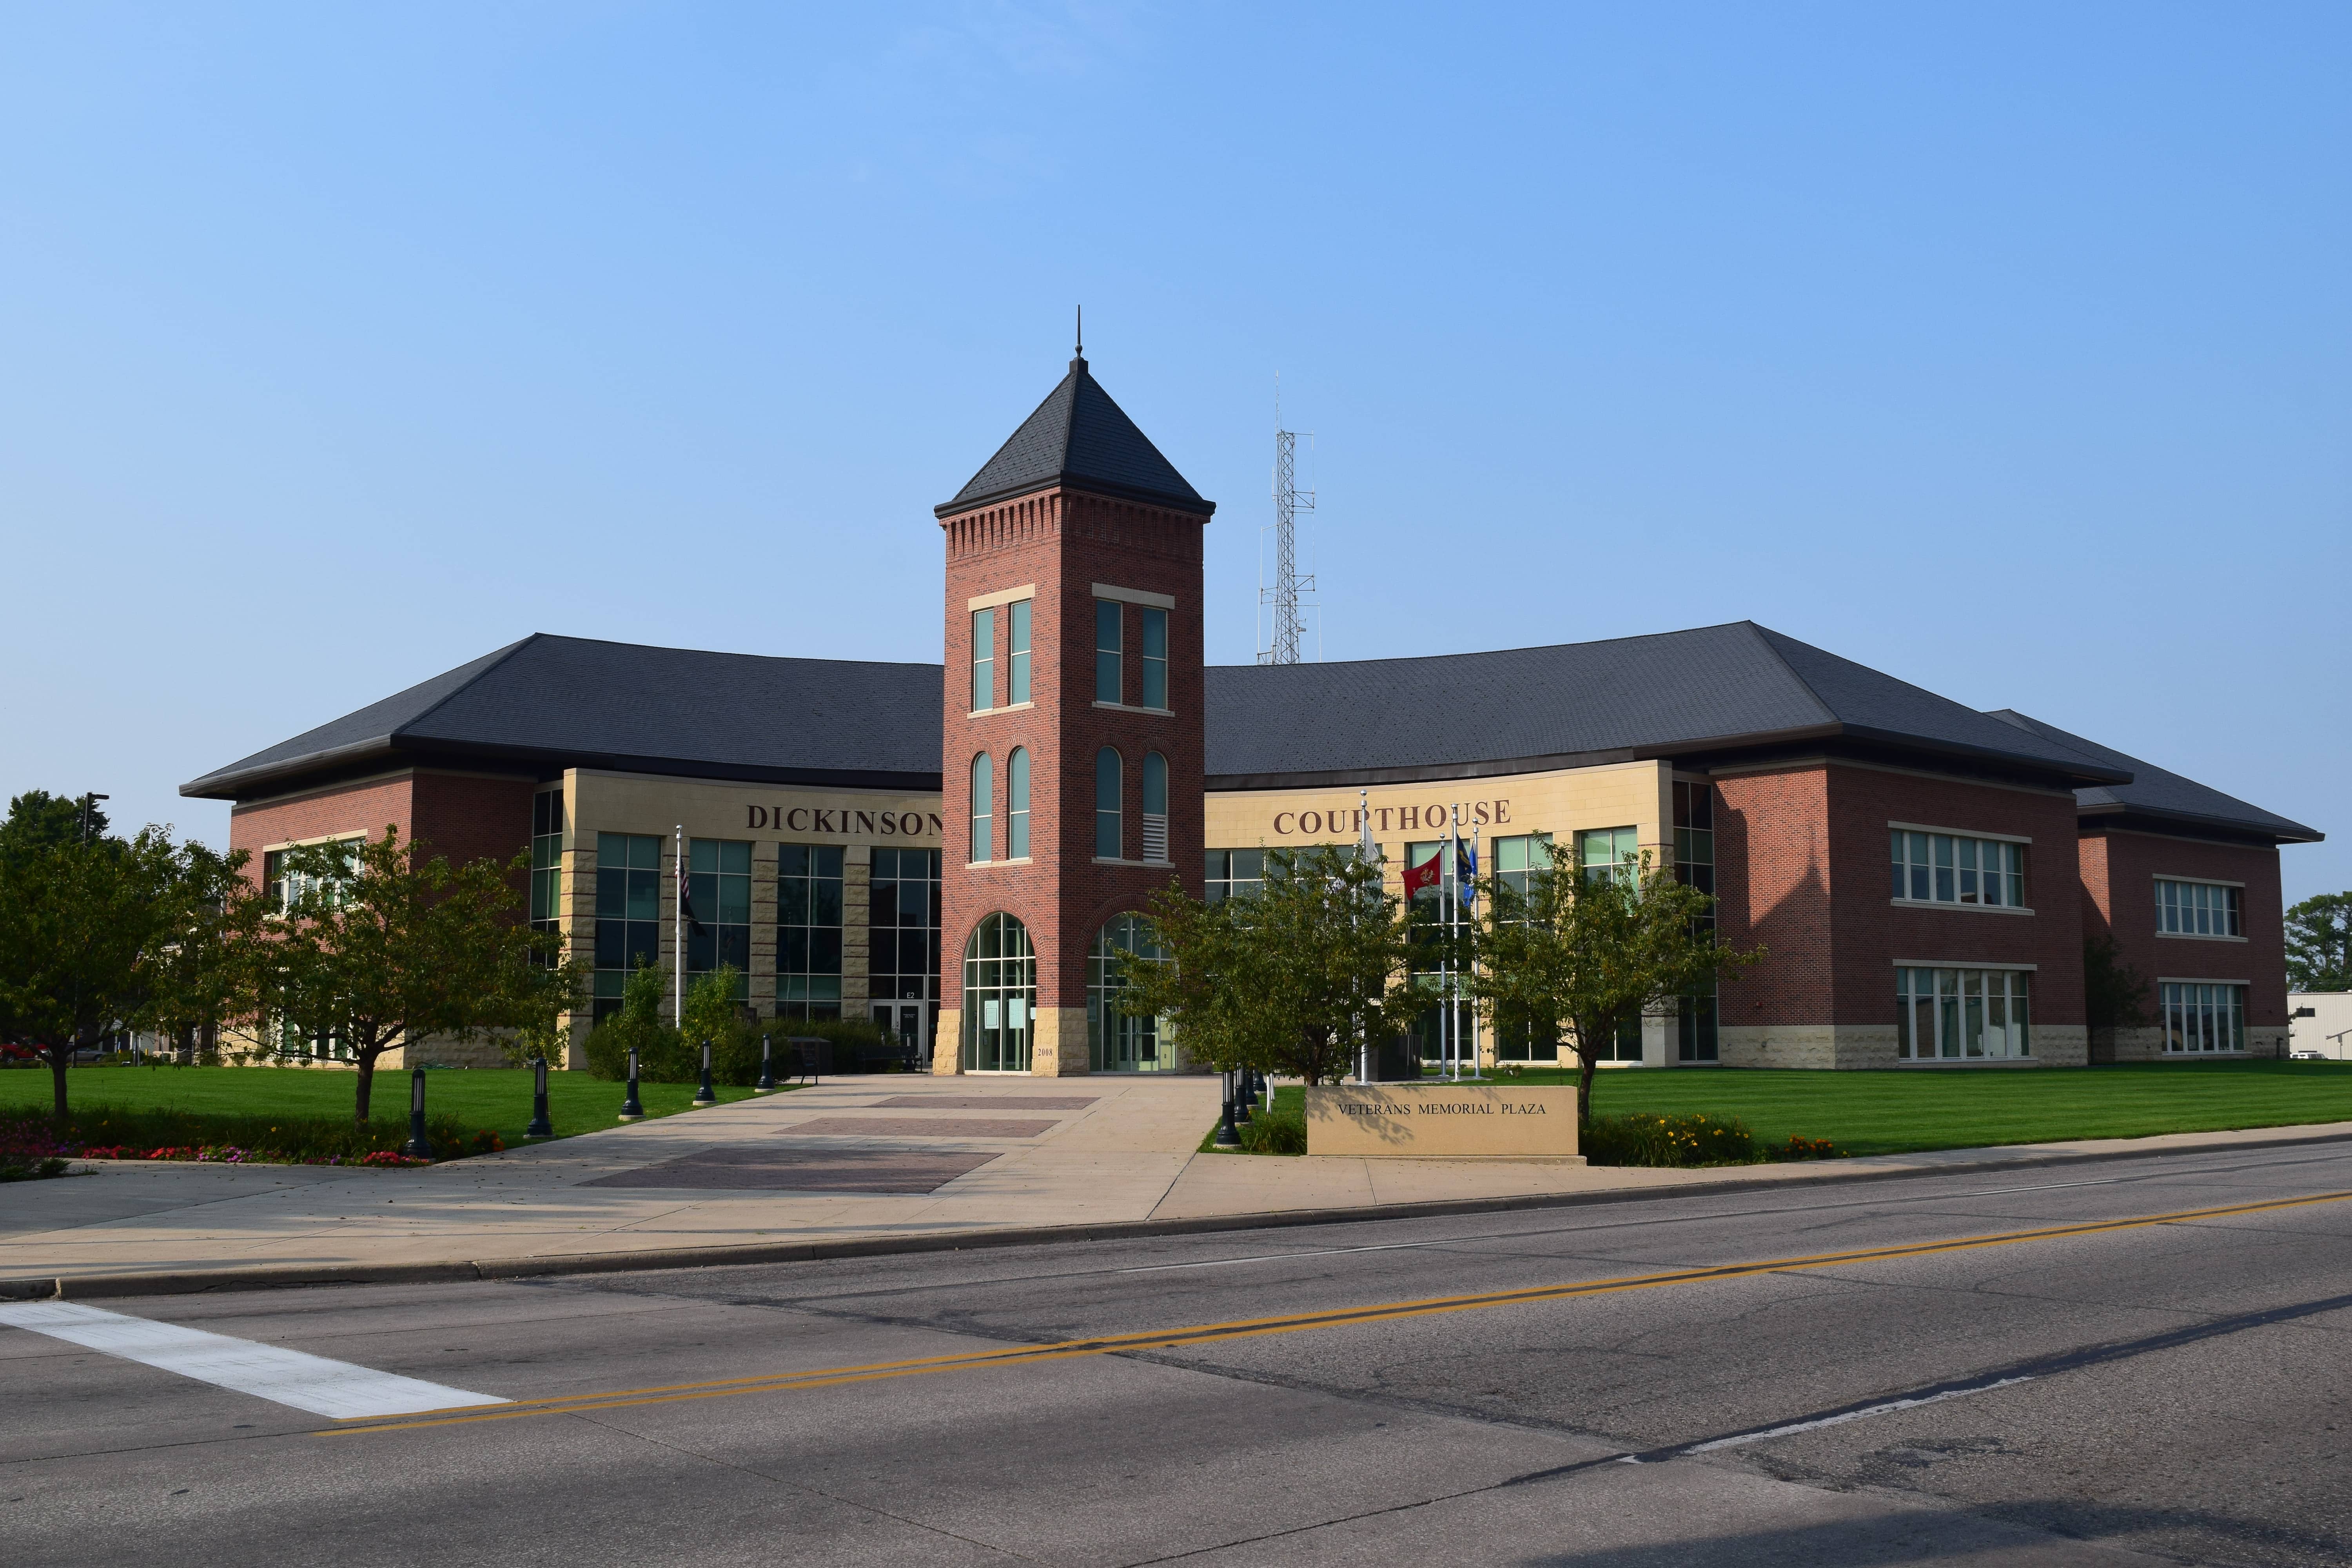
x: 974, y: 1161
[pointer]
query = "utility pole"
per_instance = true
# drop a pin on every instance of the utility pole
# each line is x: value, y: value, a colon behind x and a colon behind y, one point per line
x: 1290, y: 500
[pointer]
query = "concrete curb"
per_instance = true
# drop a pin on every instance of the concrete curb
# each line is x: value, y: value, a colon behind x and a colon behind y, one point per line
x: 200, y: 1281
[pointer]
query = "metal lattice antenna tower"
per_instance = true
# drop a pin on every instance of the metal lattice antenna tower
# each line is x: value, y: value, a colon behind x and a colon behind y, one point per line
x: 1290, y: 500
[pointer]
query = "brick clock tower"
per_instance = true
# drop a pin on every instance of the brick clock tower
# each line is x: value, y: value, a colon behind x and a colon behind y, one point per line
x: 1072, y: 756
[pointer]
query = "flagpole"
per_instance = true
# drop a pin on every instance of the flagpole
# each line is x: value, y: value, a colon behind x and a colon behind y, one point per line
x: 678, y: 920
x: 1365, y: 841
x: 1474, y: 864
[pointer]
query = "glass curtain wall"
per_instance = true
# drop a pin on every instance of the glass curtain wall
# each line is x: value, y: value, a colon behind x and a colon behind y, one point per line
x: 999, y: 996
x: 1696, y: 1029
x: 547, y: 863
x: 628, y: 913
x: 808, y: 931
x: 903, y: 928
x: 718, y: 897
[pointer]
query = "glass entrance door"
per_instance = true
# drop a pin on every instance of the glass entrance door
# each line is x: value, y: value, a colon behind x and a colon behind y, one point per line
x: 908, y: 1023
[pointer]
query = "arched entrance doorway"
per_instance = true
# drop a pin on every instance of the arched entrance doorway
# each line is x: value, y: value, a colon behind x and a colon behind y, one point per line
x: 999, y: 996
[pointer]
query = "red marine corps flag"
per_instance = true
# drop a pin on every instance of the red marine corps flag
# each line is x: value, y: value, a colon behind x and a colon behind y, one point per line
x: 1424, y: 875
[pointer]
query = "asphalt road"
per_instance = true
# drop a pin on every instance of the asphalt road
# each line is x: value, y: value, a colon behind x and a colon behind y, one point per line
x: 2130, y: 1389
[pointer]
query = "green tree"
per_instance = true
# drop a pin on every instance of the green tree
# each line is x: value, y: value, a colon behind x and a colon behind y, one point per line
x: 99, y: 934
x: 1592, y: 952
x: 2319, y: 943
x: 379, y: 946
x: 1294, y: 979
x: 2115, y: 992
x: 638, y: 1025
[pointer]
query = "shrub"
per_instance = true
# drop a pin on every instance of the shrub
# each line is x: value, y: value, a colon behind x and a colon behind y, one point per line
x: 1274, y: 1131
x: 1643, y: 1139
x: 106, y: 1132
x: 662, y: 1056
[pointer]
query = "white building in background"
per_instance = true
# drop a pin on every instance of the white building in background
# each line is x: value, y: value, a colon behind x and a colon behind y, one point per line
x: 2329, y: 1028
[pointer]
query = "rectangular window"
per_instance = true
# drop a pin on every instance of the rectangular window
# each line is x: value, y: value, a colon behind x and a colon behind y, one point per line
x: 1515, y: 861
x: 902, y: 933
x: 273, y: 877
x: 2200, y: 1018
x: 718, y: 899
x: 1017, y: 651
x: 1235, y: 873
x: 1961, y: 1015
x: 1609, y: 852
x: 1109, y: 687
x: 984, y: 661
x: 547, y: 860
x: 808, y: 931
x: 1696, y: 1016
x: 1155, y: 657
x: 1950, y: 869
x: 628, y: 912
x: 2196, y: 909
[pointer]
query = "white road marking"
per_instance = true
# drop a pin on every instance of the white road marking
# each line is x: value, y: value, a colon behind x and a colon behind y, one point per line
x: 306, y: 1381
x: 1888, y: 1408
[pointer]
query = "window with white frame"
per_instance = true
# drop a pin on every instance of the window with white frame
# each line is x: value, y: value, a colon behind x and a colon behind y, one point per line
x: 1962, y: 1014
x: 1017, y: 652
x: 983, y: 780
x: 1016, y: 805
x: 1954, y: 868
x: 984, y: 661
x: 2201, y: 1017
x: 1609, y: 852
x: 1235, y: 874
x: 2196, y: 909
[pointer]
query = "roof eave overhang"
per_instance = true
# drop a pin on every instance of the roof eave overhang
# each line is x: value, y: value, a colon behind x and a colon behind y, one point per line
x: 962, y: 504
x: 2086, y: 771
x: 2122, y: 814
x: 237, y: 783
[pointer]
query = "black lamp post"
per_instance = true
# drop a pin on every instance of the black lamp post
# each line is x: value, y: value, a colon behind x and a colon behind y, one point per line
x: 1226, y: 1137
x: 767, y: 1084
x: 632, y: 1109
x: 1240, y: 1098
x: 539, y: 1126
x: 419, y: 1146
x: 705, y: 1095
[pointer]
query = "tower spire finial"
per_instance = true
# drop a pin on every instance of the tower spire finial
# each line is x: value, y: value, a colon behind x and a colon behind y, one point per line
x: 1082, y: 331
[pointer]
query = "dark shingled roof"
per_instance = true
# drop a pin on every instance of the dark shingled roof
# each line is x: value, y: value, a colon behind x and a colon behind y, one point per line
x: 556, y: 702
x: 2157, y: 792
x: 1673, y: 693
x: 1079, y: 437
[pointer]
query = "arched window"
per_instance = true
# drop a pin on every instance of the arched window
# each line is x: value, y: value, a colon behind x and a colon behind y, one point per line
x: 1116, y: 1041
x: 1000, y: 993
x: 1016, y: 805
x: 1108, y: 838
x: 1155, y: 808
x: 983, y: 783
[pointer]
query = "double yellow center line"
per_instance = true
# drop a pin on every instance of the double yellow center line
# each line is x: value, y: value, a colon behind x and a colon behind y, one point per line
x: 1289, y: 1323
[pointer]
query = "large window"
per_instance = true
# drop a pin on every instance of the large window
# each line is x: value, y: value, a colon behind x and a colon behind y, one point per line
x: 1610, y: 852
x: 2201, y: 1017
x: 808, y: 931
x: 1235, y: 874
x: 1155, y: 808
x: 1957, y: 1014
x: 719, y: 907
x: 1000, y: 994
x: 1017, y: 652
x: 284, y: 886
x: 1110, y: 832
x: 1951, y: 868
x: 1016, y: 805
x: 1116, y: 1041
x: 1518, y: 859
x: 547, y: 861
x: 982, y: 787
x: 1696, y: 1015
x: 1109, y: 685
x: 1155, y: 657
x: 984, y: 661
x: 903, y: 926
x: 2196, y: 909
x: 628, y: 912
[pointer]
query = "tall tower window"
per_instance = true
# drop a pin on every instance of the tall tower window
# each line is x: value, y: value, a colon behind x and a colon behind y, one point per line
x: 1107, y: 835
x: 1017, y: 651
x: 1107, y: 678
x: 1016, y: 805
x: 1155, y: 802
x: 547, y: 861
x: 984, y: 659
x: 983, y: 780
x: 1155, y: 657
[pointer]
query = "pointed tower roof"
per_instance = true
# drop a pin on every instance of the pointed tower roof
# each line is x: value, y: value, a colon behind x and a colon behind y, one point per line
x: 1079, y: 437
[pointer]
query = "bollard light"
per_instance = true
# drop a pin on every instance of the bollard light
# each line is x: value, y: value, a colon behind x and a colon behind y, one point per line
x: 1240, y: 1097
x: 1226, y: 1137
x: 539, y: 1126
x: 632, y: 1110
x: 419, y: 1146
x: 705, y: 1095
x: 767, y: 1084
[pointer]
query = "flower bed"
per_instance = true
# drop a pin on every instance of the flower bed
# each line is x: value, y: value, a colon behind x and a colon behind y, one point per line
x: 36, y: 1146
x: 1643, y: 1139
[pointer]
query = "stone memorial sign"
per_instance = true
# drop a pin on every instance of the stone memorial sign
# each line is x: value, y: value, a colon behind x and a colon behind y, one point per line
x: 1443, y: 1122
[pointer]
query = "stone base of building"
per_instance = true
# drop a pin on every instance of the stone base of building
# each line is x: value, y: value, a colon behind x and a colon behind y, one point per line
x: 2147, y: 1045
x: 1057, y: 1043
x: 1854, y: 1046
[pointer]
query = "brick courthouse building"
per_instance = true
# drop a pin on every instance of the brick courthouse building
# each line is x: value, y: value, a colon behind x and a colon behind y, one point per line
x: 955, y: 852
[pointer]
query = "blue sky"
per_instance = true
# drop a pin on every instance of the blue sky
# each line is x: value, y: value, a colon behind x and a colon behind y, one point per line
x: 2002, y: 347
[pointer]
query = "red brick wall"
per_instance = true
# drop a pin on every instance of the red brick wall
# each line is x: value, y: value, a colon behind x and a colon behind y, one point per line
x: 366, y: 809
x: 462, y: 816
x: 1772, y: 887
x: 1065, y: 542
x: 471, y: 818
x: 2119, y: 875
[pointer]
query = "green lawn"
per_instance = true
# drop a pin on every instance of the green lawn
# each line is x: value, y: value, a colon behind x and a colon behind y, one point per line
x: 498, y: 1098
x: 1899, y: 1112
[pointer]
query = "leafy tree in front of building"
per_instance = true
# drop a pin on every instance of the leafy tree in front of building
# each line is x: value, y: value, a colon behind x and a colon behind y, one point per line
x: 380, y: 945
x: 1589, y: 953
x: 2319, y: 943
x: 2115, y: 992
x: 100, y: 934
x: 1294, y: 979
